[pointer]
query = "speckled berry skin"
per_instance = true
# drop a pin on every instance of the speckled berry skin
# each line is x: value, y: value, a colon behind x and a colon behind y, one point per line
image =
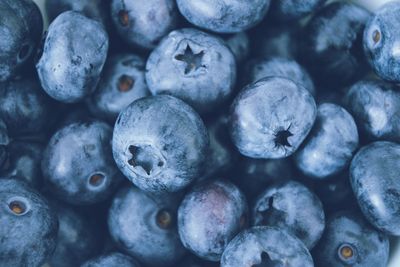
x: 21, y: 27
x: 77, y: 163
x: 271, y: 118
x: 266, y: 246
x: 289, y: 10
x: 137, y: 229
x: 122, y: 82
x: 375, y: 106
x: 143, y: 23
x: 74, y: 53
x: 293, y: 207
x: 332, y: 44
x: 381, y: 42
x: 374, y: 173
x: 210, y: 216
x: 370, y: 248
x: 29, y: 231
x: 280, y: 67
x: 160, y: 143
x: 194, y: 66
x: 330, y: 145
x: 114, y: 259
x: 224, y: 16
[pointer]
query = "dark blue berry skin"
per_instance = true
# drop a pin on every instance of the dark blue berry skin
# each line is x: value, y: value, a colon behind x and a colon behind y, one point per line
x: 374, y: 173
x: 239, y: 44
x: 160, y: 144
x: 280, y: 67
x: 266, y: 246
x: 381, y: 42
x: 77, y: 239
x: 194, y: 66
x: 78, y: 165
x: 74, y: 53
x: 350, y: 241
x: 210, y: 216
x: 375, y: 106
x: 4, y: 140
x: 25, y: 108
x: 21, y: 28
x: 224, y: 16
x: 94, y: 9
x: 28, y: 226
x: 122, y: 82
x: 143, y: 23
x: 24, y: 160
x: 332, y: 44
x: 271, y: 118
x: 254, y: 175
x: 114, y: 259
x: 293, y: 207
x: 145, y: 227
x: 330, y: 145
x: 289, y: 10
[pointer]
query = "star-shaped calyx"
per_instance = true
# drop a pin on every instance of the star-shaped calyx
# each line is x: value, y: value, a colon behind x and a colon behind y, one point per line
x: 193, y: 61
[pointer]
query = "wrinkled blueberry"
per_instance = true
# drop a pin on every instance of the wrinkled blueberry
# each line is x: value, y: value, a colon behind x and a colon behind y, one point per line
x: 78, y: 165
x: 293, y: 207
x: 350, y: 241
x: 28, y: 227
x: 224, y: 16
x: 144, y: 22
x: 74, y: 53
x: 330, y: 145
x: 122, y: 82
x: 375, y: 106
x: 271, y: 118
x: 374, y: 177
x: 194, y: 66
x: 114, y: 259
x: 382, y: 42
x: 210, y: 216
x: 21, y: 27
x: 160, y: 143
x: 145, y: 226
x: 262, y: 246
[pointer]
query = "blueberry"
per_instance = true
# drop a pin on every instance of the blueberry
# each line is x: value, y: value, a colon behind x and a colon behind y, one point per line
x: 293, y: 207
x: 375, y: 106
x: 160, y: 144
x: 77, y: 239
x: 266, y: 246
x: 374, y: 175
x: 350, y: 241
x: 24, y: 161
x: 381, y: 42
x: 143, y: 23
x: 94, y: 9
x: 78, y: 165
x: 192, y: 261
x: 288, y: 10
x: 332, y: 44
x: 224, y: 16
x: 239, y: 44
x: 4, y: 140
x: 193, y: 66
x: 114, y: 259
x: 122, y: 82
x: 28, y: 227
x: 210, y: 216
x: 145, y: 226
x: 74, y: 53
x: 330, y: 145
x: 280, y: 67
x: 25, y: 108
x: 271, y: 118
x: 21, y: 27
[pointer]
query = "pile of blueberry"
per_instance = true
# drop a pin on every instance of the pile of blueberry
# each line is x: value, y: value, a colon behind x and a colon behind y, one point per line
x: 199, y: 133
